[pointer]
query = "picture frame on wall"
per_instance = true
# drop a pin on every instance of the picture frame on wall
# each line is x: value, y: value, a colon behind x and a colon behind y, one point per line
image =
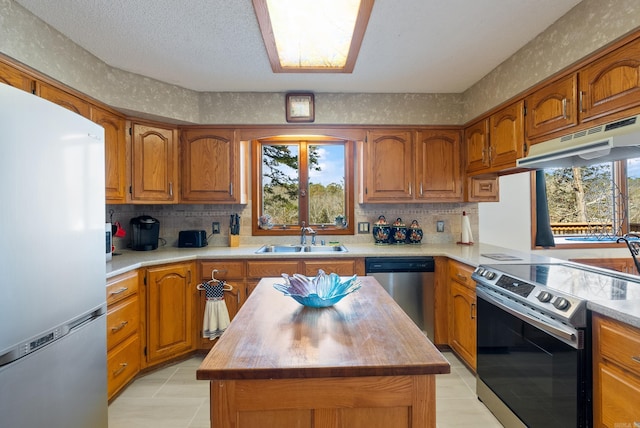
x: 300, y: 107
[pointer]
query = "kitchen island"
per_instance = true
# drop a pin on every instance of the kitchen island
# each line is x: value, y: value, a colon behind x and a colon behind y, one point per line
x: 361, y: 363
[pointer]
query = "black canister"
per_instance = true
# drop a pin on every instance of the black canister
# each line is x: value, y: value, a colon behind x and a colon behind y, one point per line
x: 145, y: 233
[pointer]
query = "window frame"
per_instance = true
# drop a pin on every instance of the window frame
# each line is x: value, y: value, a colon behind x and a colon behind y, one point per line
x: 256, y: 186
x: 619, y: 173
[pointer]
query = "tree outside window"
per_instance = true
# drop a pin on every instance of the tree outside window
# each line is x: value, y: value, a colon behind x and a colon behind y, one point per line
x: 596, y: 203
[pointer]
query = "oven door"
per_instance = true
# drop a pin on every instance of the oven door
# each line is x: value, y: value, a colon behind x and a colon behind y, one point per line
x: 539, y: 377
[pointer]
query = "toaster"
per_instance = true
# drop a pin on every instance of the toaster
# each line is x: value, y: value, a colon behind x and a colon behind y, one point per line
x: 192, y: 239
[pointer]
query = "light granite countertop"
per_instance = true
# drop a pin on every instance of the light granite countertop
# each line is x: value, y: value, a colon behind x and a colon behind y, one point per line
x: 473, y: 255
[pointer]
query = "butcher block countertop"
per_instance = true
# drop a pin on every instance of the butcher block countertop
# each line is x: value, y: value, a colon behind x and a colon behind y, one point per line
x: 365, y: 334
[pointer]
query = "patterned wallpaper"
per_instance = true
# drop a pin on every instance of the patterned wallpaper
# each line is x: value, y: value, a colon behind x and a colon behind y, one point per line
x: 591, y: 24
x: 588, y: 26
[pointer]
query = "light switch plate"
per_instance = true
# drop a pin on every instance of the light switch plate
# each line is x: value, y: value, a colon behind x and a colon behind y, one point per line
x: 440, y: 226
x: 215, y: 227
x: 363, y: 227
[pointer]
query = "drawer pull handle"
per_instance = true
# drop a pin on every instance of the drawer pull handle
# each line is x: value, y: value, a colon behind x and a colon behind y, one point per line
x: 119, y: 291
x: 636, y: 358
x: 119, y: 327
x: 123, y: 366
x: 461, y: 276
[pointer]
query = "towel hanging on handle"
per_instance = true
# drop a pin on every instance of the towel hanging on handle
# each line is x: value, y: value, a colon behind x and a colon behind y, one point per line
x: 216, y: 315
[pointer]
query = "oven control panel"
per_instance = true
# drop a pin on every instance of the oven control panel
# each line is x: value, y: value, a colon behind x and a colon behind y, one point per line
x: 562, y: 306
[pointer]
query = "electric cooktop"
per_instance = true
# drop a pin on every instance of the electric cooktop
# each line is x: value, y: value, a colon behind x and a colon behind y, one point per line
x: 581, y: 282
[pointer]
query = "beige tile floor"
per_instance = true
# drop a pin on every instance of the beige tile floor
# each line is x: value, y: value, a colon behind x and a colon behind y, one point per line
x: 172, y: 398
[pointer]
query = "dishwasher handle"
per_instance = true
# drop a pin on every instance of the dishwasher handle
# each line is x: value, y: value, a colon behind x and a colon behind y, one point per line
x: 399, y: 264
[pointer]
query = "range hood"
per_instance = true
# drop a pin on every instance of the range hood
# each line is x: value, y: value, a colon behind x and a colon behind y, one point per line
x: 603, y: 143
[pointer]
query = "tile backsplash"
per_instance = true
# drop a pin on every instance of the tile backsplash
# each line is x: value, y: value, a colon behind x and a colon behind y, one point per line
x: 174, y: 218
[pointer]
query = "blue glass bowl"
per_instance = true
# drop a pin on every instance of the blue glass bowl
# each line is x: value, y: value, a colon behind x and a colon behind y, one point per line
x: 320, y: 291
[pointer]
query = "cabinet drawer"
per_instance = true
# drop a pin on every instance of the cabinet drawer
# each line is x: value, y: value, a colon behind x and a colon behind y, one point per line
x: 226, y: 269
x: 122, y: 320
x: 123, y: 363
x: 340, y: 267
x: 261, y: 269
x: 619, y: 394
x: 461, y: 273
x: 122, y: 286
x: 620, y: 343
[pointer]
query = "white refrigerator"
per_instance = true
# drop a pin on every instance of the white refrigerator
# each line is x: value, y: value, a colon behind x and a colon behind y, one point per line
x: 52, y: 266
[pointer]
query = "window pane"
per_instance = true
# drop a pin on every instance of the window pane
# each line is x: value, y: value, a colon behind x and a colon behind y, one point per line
x: 581, y: 200
x: 327, y: 184
x: 280, y: 184
x: 633, y: 189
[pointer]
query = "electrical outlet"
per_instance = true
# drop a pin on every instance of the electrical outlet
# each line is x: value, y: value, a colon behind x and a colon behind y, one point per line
x: 215, y: 227
x: 440, y: 226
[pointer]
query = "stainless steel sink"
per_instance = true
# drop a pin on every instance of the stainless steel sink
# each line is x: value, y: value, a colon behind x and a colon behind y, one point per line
x: 302, y: 249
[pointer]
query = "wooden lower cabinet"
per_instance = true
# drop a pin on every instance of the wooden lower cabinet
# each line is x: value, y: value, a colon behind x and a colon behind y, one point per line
x: 354, y: 402
x: 462, y: 312
x: 123, y: 331
x: 123, y: 364
x: 171, y: 292
x: 616, y: 374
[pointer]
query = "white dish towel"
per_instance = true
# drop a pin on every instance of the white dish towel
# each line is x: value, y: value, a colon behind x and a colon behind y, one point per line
x: 216, y: 316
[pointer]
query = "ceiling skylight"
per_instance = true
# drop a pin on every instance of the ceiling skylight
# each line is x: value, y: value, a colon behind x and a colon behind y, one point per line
x: 312, y: 35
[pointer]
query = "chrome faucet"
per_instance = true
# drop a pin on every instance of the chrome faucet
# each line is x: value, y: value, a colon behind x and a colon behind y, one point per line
x: 303, y: 231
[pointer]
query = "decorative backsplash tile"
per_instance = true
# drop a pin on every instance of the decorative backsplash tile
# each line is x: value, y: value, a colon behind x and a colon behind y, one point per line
x: 174, y: 218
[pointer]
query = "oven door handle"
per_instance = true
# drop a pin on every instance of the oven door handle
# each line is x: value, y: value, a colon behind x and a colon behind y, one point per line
x: 567, y: 336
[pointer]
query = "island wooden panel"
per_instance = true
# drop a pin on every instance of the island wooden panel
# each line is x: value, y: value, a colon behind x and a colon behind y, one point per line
x: 361, y: 363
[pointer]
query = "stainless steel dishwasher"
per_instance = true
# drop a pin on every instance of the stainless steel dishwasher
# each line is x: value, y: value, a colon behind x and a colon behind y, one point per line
x: 410, y: 282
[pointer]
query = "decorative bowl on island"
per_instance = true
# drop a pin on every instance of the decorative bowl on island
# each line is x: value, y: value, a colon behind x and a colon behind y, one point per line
x: 317, y: 292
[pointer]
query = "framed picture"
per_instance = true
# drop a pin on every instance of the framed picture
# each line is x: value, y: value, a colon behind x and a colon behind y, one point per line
x: 300, y: 107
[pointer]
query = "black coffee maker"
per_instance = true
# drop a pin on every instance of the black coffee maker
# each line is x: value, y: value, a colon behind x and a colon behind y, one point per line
x: 145, y: 232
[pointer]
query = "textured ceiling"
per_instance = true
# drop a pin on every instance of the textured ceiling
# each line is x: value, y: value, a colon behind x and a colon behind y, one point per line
x: 411, y: 46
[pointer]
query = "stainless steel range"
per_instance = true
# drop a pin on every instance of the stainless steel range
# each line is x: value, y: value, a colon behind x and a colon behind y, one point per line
x: 533, y: 343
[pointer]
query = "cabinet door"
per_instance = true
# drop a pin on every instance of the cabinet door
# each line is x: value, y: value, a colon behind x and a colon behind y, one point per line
x: 438, y: 171
x: 462, y: 322
x: 611, y: 84
x: 154, y: 164
x: 115, y: 147
x: 483, y: 189
x: 210, y: 166
x: 64, y: 99
x: 506, y: 135
x: 388, y: 166
x: 170, y: 294
x: 476, y: 139
x: 552, y: 108
x: 12, y: 77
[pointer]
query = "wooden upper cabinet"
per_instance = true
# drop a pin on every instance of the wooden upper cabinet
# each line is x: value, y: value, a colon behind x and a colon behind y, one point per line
x: 611, y: 84
x: 115, y: 153
x: 476, y: 139
x: 15, y: 78
x: 387, y: 168
x: 154, y: 166
x: 506, y: 135
x: 552, y: 108
x: 64, y: 99
x: 437, y: 166
x: 212, y: 166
